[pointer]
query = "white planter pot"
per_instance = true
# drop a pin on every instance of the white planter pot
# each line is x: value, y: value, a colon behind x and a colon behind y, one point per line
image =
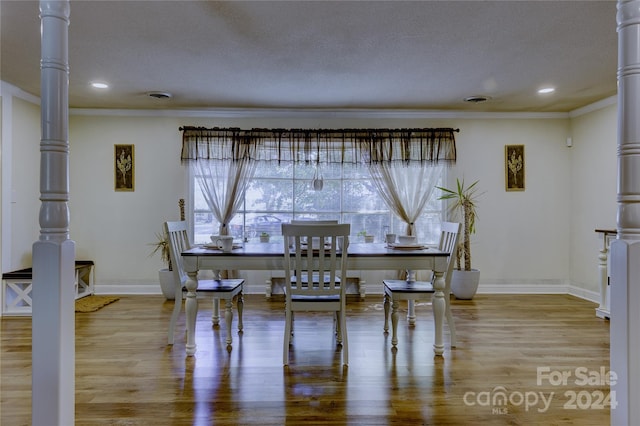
x: 464, y: 284
x: 167, y: 284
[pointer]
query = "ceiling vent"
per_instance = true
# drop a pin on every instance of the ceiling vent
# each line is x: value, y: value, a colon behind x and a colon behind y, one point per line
x: 477, y: 99
x: 160, y: 95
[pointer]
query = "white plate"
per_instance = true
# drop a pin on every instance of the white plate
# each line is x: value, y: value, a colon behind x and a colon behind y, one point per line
x: 215, y: 247
x: 407, y: 246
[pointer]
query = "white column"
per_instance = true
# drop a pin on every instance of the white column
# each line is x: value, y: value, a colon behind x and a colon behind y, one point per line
x: 5, y: 177
x: 53, y: 347
x: 603, y: 310
x: 625, y: 250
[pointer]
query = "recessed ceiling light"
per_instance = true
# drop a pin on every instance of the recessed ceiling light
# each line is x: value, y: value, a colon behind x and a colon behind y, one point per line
x: 160, y: 95
x: 476, y: 99
x: 99, y: 85
x: 546, y: 90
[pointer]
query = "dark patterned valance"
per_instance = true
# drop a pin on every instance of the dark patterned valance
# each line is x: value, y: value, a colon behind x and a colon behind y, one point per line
x: 320, y: 146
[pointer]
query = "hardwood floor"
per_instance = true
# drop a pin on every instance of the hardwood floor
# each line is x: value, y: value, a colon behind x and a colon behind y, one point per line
x: 127, y: 375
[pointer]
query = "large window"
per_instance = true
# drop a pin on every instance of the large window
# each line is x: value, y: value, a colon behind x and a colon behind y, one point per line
x: 281, y: 192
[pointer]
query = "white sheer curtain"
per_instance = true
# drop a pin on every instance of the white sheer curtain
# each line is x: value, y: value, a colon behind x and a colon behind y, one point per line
x: 405, y: 188
x: 223, y: 184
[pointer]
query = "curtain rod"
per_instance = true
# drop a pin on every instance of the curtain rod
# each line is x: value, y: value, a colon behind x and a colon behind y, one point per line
x: 237, y: 129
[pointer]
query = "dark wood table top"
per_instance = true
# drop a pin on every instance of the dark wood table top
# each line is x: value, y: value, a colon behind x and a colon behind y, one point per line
x: 277, y: 249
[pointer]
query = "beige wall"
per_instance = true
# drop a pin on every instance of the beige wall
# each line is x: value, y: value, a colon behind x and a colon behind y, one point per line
x: 593, y: 191
x: 515, y: 243
x: 115, y: 228
x: 25, y: 181
x: 526, y: 241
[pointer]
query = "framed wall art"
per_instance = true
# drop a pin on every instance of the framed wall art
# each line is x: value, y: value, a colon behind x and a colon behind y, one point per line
x: 514, y: 167
x: 124, y: 167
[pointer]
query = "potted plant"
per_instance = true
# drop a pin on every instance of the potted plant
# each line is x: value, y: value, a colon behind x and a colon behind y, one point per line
x: 368, y: 238
x: 463, y: 203
x: 165, y: 274
x: 264, y: 237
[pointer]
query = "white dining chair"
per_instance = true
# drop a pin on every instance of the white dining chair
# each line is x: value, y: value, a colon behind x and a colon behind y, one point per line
x: 396, y: 290
x: 222, y: 289
x: 315, y: 260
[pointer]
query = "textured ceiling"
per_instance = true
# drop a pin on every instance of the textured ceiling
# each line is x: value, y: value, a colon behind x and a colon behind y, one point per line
x: 421, y: 55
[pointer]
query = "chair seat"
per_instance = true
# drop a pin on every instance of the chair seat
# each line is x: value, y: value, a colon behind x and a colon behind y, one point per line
x: 319, y: 298
x: 403, y: 286
x: 223, y: 285
x: 396, y: 290
x: 312, y: 283
x: 225, y: 289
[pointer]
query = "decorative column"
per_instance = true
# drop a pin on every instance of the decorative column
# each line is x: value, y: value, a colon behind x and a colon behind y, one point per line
x: 603, y: 310
x: 53, y: 321
x: 625, y: 250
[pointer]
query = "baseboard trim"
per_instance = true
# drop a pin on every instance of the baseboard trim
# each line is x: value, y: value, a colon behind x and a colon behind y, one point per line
x: 132, y: 289
x: 591, y: 296
x: 533, y: 287
x: 544, y: 288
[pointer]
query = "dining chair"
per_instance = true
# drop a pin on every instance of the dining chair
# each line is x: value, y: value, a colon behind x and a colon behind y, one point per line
x: 311, y: 222
x: 396, y: 290
x: 222, y: 289
x: 323, y: 259
x: 290, y: 240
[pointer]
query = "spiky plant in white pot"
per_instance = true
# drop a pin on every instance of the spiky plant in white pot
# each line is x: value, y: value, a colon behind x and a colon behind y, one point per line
x: 463, y: 204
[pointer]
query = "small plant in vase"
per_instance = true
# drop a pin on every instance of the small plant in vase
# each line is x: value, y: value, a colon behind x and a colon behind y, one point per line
x: 264, y: 237
x: 368, y: 238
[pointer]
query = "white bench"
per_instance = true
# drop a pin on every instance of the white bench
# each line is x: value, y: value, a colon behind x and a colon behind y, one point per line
x: 15, y: 294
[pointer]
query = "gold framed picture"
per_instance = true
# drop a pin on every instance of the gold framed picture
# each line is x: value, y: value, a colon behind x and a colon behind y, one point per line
x: 514, y: 167
x: 124, y: 167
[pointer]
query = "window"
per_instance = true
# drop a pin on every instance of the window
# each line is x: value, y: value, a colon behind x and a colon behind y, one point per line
x: 281, y: 192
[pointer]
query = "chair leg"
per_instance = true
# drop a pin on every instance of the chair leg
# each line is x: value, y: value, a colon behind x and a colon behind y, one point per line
x: 394, y: 322
x: 386, y: 312
x: 292, y: 318
x: 345, y: 341
x: 177, y: 307
x: 338, y: 319
x: 215, y: 311
x: 411, y: 312
x: 293, y: 321
x: 240, y: 307
x: 451, y: 324
x: 287, y: 337
x: 228, y: 318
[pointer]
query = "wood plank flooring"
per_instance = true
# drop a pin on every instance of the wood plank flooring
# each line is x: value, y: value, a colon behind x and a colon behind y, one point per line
x: 127, y: 375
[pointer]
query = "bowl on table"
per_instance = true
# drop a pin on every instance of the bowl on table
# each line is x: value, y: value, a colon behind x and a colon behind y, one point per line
x: 406, y: 239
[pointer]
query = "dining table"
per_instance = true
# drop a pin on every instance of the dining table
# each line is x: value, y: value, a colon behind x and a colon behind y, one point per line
x: 361, y: 256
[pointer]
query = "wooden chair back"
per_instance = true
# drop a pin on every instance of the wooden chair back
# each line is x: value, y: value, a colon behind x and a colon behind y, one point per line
x: 450, y: 233
x: 315, y: 253
x: 176, y: 233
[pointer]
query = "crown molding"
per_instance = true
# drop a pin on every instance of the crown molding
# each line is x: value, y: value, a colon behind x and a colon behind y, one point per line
x: 317, y: 113
x: 11, y: 90
x: 612, y: 100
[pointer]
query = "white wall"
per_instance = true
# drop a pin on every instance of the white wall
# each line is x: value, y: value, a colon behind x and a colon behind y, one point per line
x: 24, y: 189
x: 114, y: 229
x: 593, y: 191
x: 531, y: 241
x: 522, y: 237
x: 514, y: 228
